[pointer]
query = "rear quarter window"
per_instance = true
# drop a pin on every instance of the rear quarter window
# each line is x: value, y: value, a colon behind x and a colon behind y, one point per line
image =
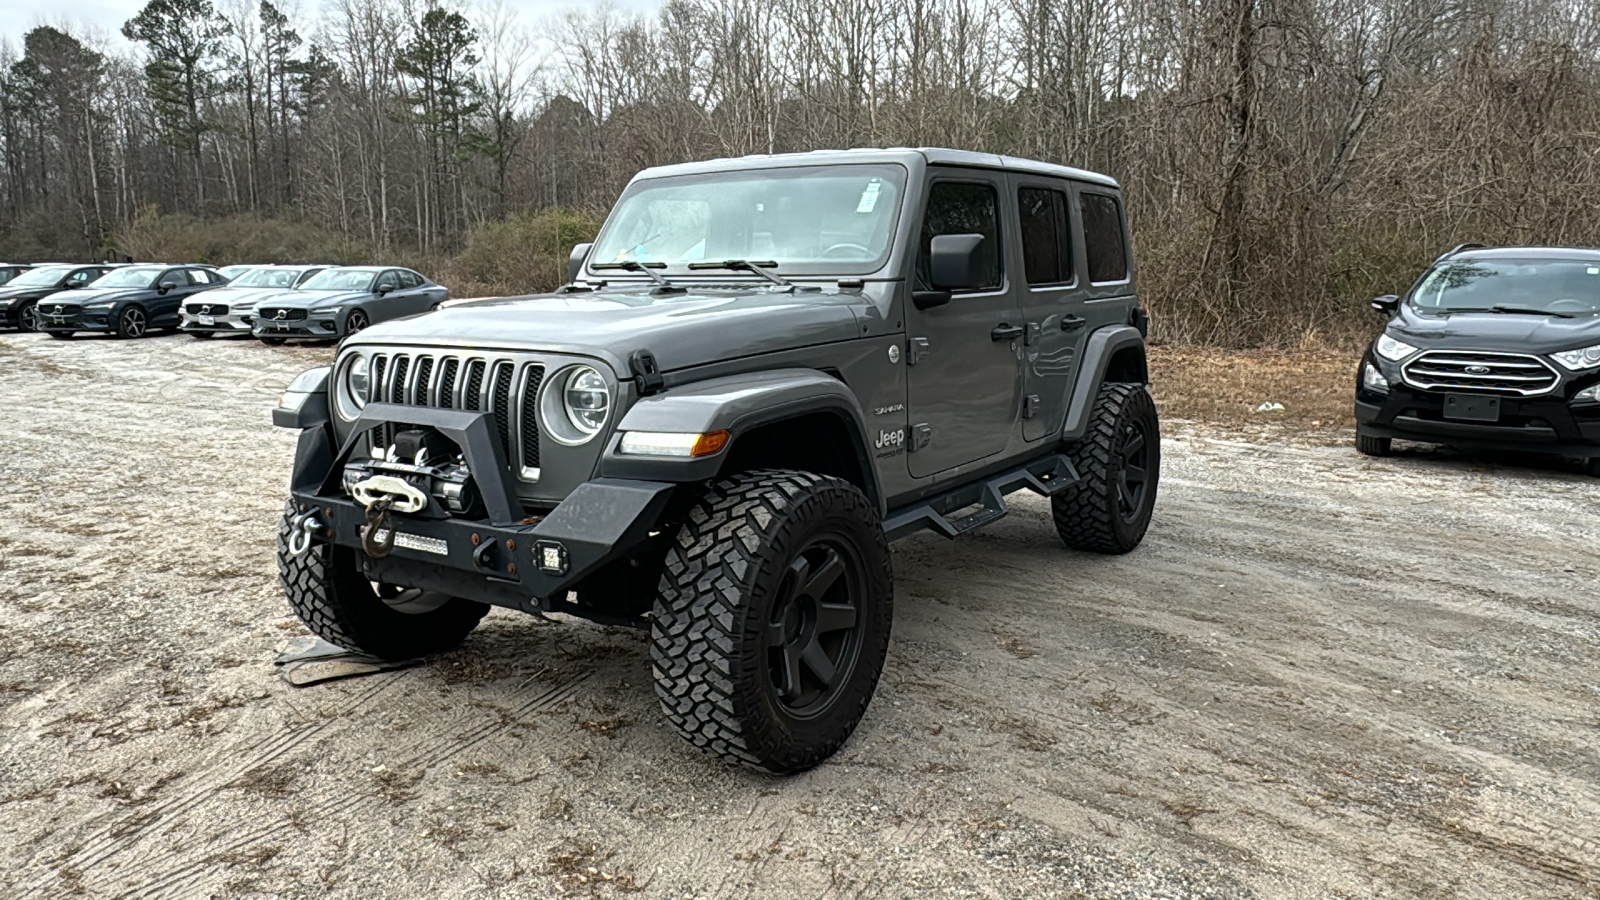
x: 1103, y: 237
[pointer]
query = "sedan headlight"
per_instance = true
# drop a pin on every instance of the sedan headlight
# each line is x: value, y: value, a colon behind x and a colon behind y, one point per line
x: 327, y: 311
x: 358, y: 380
x: 587, y: 399
x: 1579, y: 360
x: 1391, y: 349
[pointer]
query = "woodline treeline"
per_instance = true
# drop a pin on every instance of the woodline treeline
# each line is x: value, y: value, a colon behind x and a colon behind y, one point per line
x: 1283, y: 160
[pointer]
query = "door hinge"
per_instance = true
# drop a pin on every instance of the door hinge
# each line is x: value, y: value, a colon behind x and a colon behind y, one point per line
x: 921, y: 436
x: 1030, y: 406
x: 1035, y: 331
x: 916, y: 349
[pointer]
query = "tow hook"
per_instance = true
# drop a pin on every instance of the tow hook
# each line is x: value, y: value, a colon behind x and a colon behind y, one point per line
x: 380, y: 494
x: 301, y: 529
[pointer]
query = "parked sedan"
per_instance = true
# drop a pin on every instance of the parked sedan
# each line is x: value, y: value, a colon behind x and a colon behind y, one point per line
x: 127, y: 302
x: 19, y: 296
x: 9, y: 271
x: 340, y: 302
x: 229, y: 309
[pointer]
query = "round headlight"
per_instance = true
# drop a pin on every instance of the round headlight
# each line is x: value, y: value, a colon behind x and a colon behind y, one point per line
x: 358, y: 377
x: 587, y: 399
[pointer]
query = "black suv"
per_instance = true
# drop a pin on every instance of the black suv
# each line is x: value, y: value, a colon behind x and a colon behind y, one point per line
x: 1491, y: 349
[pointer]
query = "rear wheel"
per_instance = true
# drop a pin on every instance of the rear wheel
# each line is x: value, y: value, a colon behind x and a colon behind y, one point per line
x: 773, y: 619
x: 327, y: 590
x: 1108, y: 509
x: 132, y: 323
x: 1373, y: 446
x: 29, y: 317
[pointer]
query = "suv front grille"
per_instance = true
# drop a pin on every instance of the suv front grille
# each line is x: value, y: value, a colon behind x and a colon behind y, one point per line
x: 281, y: 314
x: 509, y: 389
x: 1470, y: 370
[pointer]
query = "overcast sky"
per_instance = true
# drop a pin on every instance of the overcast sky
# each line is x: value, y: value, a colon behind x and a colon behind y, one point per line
x: 106, y: 16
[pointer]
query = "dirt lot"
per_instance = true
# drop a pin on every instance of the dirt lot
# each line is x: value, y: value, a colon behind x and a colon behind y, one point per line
x: 1322, y: 676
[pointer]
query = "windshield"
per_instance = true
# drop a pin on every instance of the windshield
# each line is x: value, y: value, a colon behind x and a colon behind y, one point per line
x: 823, y: 220
x: 40, y: 277
x: 267, y: 278
x: 136, y: 277
x: 1570, y: 287
x: 339, y: 280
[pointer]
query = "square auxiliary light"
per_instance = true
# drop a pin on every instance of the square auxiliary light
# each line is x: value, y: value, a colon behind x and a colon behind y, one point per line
x: 551, y: 556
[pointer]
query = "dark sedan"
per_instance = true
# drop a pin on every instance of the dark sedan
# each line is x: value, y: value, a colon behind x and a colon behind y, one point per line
x: 343, y: 301
x: 127, y: 302
x: 19, y: 296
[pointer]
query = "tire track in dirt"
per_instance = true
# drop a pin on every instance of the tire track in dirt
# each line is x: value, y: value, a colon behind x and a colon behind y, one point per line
x: 435, y: 747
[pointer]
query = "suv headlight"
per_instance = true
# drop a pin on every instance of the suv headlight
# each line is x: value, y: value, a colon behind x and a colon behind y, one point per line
x: 1579, y: 360
x: 1391, y: 349
x: 358, y: 379
x: 587, y: 399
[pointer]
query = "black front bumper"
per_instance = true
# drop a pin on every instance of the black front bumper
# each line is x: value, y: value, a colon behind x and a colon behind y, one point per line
x: 1533, y: 424
x: 83, y: 321
x: 508, y: 558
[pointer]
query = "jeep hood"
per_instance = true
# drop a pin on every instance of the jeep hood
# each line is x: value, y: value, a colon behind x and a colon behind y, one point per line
x: 1512, y: 332
x: 681, y: 330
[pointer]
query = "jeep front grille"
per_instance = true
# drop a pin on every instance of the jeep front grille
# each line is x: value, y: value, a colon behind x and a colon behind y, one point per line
x: 508, y: 389
x: 1496, y: 373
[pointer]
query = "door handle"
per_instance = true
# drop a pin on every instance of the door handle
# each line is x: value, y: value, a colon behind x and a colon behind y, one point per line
x: 1004, y: 332
x: 1073, y: 323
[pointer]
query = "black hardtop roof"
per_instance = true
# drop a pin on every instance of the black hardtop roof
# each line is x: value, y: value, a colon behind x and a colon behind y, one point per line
x: 907, y: 156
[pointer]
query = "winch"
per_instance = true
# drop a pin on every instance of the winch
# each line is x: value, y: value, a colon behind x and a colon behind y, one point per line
x: 419, y: 466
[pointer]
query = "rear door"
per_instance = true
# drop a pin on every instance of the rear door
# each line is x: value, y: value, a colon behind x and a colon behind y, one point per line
x: 963, y: 383
x: 1053, y: 301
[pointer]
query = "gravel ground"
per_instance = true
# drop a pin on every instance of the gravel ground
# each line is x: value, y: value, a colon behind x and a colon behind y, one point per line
x: 1321, y: 676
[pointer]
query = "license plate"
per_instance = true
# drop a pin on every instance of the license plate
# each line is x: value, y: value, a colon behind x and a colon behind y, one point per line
x: 1471, y: 408
x: 208, y: 320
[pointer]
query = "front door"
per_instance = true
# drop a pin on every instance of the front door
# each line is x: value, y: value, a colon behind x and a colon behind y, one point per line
x: 963, y: 383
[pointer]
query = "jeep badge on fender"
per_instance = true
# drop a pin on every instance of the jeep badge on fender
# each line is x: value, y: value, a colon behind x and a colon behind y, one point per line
x: 701, y: 434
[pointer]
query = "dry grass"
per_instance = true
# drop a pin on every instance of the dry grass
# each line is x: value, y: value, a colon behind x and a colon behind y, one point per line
x: 1224, y: 387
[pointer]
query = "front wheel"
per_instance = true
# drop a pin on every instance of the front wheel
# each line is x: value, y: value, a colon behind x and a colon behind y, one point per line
x: 132, y: 323
x: 327, y: 590
x: 772, y: 620
x: 1373, y: 446
x: 1108, y: 509
x: 29, y: 318
x: 356, y: 321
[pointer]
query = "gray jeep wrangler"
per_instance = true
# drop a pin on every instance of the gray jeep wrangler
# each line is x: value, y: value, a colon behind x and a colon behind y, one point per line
x: 762, y: 372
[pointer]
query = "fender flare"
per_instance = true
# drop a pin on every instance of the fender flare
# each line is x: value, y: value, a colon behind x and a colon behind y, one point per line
x: 737, y: 404
x: 1102, y: 345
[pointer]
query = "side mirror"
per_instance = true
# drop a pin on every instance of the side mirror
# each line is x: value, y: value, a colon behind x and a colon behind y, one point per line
x: 384, y: 289
x: 163, y: 287
x: 1388, y: 303
x: 575, y: 261
x: 953, y: 262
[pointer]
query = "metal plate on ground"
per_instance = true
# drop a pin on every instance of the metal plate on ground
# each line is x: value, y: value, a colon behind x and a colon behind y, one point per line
x: 1472, y: 407
x: 311, y: 660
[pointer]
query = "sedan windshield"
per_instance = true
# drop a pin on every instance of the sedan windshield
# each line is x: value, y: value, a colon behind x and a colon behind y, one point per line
x: 44, y: 277
x: 136, y: 277
x: 1555, y: 286
x: 340, y: 280
x: 833, y: 220
x: 267, y: 278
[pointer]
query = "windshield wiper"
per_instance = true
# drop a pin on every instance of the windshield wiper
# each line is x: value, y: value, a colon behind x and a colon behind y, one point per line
x: 761, y: 267
x: 648, y: 269
x: 1518, y: 311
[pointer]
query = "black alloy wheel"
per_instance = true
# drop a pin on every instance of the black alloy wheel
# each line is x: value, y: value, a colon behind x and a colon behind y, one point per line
x: 813, y: 637
x: 132, y: 323
x: 29, y: 317
x: 1133, y: 476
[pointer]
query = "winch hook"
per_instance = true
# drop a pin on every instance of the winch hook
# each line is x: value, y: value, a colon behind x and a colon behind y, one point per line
x: 377, y: 537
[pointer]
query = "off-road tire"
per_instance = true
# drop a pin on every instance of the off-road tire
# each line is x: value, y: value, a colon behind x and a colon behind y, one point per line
x: 328, y: 592
x: 1090, y: 513
x: 274, y: 342
x: 1367, y: 445
x: 733, y: 567
x: 61, y: 335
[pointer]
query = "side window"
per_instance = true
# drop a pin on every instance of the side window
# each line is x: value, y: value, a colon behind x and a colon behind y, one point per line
x: 173, y: 278
x: 80, y: 277
x: 409, y: 279
x: 199, y: 276
x: 1102, y: 238
x: 1046, y: 239
x: 959, y: 208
